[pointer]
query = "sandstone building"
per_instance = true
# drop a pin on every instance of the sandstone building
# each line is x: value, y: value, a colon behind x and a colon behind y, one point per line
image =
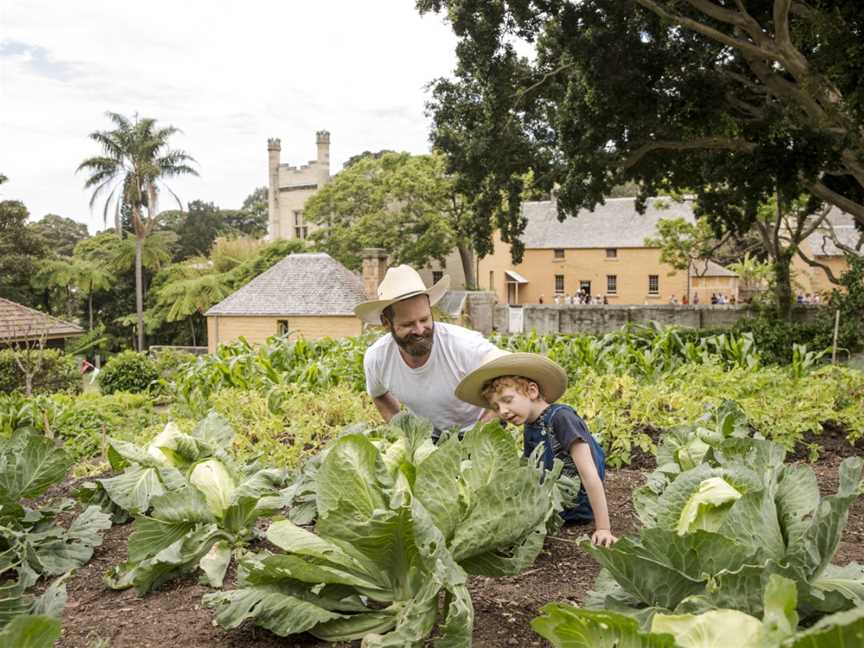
x: 290, y: 186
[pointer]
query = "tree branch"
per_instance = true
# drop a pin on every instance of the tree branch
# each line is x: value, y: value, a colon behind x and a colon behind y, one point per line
x: 710, y: 32
x: 856, y: 210
x: 721, y: 143
x: 813, y: 263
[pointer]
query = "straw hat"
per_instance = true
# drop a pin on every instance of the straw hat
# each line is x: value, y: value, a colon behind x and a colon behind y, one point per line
x: 548, y: 375
x: 400, y: 282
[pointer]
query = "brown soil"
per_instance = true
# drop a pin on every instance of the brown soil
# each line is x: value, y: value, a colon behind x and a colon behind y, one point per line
x: 96, y: 616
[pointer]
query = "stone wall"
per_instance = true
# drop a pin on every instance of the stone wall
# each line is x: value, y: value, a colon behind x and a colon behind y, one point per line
x: 602, y: 319
x: 479, y: 311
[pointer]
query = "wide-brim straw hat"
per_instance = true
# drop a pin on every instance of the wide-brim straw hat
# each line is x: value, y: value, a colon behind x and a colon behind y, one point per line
x: 549, y: 375
x: 400, y: 282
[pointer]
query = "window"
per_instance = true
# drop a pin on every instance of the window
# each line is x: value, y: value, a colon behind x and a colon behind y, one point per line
x: 585, y: 287
x: 612, y: 284
x: 653, y: 284
x: 558, y: 253
x: 611, y: 253
x: 437, y: 275
x: 282, y: 327
x: 559, y: 283
x: 300, y: 229
x: 491, y: 280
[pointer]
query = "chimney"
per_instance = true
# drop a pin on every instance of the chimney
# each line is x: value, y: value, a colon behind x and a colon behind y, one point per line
x: 274, y: 153
x: 374, y: 268
x: 322, y: 139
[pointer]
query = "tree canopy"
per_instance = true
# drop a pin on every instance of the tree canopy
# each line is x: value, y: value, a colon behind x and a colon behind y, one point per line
x: 406, y: 204
x: 735, y: 105
x: 20, y: 248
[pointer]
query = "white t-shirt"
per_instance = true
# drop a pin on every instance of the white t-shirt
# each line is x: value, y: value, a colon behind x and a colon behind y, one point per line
x: 428, y: 391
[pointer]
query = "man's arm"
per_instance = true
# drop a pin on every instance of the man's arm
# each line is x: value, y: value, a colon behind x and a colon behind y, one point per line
x: 387, y: 405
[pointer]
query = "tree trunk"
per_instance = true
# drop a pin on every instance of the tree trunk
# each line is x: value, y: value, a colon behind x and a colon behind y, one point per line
x: 118, y: 224
x: 782, y: 268
x: 192, y: 326
x: 90, y: 309
x: 139, y: 291
x: 28, y: 384
x: 466, y: 254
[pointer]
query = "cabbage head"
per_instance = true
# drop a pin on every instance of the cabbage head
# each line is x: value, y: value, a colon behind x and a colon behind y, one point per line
x: 215, y: 482
x: 707, y: 506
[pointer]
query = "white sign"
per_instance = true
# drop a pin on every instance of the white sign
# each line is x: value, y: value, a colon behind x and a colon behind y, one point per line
x: 516, y: 323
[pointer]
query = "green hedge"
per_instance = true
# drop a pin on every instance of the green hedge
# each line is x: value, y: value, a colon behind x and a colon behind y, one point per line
x: 128, y: 371
x: 58, y: 372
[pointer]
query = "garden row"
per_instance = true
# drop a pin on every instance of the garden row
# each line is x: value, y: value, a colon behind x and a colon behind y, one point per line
x: 731, y: 534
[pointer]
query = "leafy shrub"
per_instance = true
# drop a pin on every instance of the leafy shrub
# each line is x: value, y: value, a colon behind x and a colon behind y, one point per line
x: 58, y: 372
x: 127, y: 371
x: 289, y: 425
x: 84, y: 422
x: 168, y: 362
x: 622, y: 409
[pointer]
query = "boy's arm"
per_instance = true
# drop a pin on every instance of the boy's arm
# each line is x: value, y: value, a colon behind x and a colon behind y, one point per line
x: 581, y: 454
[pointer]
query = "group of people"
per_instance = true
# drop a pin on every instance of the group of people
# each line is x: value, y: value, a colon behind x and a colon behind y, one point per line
x: 716, y: 298
x: 454, y: 377
x: 807, y: 298
x: 580, y: 297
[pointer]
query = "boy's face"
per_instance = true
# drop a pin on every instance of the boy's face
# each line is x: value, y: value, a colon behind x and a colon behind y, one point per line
x: 512, y: 406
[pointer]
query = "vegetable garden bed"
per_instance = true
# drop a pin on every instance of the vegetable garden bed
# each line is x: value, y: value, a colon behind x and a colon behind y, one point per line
x: 98, y: 617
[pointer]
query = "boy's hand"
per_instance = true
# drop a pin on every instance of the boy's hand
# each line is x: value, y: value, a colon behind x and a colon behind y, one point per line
x: 603, y: 538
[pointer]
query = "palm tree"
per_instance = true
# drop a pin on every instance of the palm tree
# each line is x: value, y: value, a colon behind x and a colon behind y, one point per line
x: 56, y: 273
x: 90, y: 278
x: 136, y: 160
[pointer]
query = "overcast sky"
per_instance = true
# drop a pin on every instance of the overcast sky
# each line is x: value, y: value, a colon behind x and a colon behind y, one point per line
x: 228, y: 74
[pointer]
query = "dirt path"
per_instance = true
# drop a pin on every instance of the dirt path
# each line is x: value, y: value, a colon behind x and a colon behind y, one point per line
x: 504, y: 607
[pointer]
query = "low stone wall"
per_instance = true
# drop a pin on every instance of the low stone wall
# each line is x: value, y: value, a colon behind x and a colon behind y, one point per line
x: 602, y: 319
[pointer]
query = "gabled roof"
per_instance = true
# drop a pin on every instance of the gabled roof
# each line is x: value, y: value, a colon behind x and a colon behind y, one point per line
x: 18, y: 323
x: 708, y: 268
x: 300, y: 284
x: 843, y: 225
x: 615, y: 224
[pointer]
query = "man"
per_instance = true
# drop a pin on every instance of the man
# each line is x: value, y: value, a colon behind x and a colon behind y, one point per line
x: 420, y: 362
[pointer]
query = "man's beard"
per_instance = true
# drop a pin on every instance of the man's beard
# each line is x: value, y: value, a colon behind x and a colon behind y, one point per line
x: 416, y: 346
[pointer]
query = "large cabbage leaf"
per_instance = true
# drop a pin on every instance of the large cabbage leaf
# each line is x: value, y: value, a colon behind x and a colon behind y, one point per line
x: 396, y: 528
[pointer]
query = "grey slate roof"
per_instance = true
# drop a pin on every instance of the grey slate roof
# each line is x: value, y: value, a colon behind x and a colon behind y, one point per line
x: 710, y: 269
x: 616, y: 224
x: 843, y: 225
x: 300, y: 284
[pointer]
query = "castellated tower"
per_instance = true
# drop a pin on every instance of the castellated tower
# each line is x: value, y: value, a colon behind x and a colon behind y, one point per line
x: 290, y: 186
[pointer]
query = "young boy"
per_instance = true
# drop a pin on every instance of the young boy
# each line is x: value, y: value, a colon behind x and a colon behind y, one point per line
x: 522, y: 389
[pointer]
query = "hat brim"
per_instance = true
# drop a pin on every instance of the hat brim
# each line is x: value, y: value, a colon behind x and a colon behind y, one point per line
x: 370, y: 311
x: 549, y: 376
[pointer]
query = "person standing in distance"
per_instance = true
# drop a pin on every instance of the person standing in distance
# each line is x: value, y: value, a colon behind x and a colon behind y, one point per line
x: 419, y: 362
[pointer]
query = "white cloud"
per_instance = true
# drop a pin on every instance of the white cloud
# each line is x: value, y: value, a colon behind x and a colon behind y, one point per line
x: 229, y: 75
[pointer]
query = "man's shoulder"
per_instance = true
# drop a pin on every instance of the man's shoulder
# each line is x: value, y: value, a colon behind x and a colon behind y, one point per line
x: 379, y: 346
x: 456, y: 332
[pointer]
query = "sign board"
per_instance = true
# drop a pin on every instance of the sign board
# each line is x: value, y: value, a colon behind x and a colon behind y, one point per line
x: 516, y: 320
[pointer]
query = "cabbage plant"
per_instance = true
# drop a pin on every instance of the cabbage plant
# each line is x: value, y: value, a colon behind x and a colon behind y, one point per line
x: 193, y: 504
x: 717, y: 534
x: 32, y: 544
x: 567, y: 626
x: 395, y: 528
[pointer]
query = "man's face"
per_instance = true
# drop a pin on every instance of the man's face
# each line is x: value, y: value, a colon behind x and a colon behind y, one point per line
x: 412, y: 326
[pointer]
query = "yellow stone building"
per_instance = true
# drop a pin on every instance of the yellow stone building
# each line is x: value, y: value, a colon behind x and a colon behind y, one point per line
x: 821, y: 247
x: 310, y: 295
x: 289, y: 187
x: 602, y: 253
